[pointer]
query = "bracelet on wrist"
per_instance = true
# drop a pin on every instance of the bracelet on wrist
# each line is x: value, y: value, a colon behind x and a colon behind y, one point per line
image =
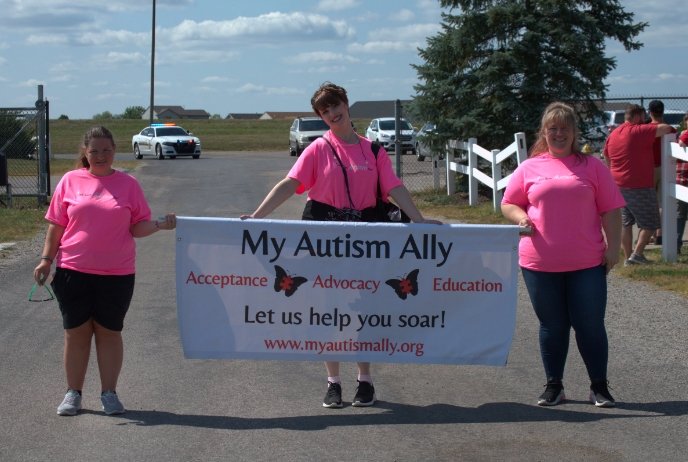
x: 47, y: 258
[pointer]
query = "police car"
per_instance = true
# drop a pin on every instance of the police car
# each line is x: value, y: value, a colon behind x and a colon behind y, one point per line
x: 165, y: 140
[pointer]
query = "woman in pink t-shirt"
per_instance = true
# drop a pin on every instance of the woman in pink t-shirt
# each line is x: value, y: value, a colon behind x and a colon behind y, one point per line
x: 319, y: 171
x: 95, y: 213
x: 567, y: 199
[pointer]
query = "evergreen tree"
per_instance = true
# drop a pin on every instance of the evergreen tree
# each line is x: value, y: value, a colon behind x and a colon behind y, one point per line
x: 496, y: 64
x: 133, y: 112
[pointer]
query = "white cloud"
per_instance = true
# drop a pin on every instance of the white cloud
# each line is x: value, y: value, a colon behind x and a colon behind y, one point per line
x: 115, y: 57
x: 337, y: 5
x: 381, y: 47
x: 172, y: 57
x: 46, y: 39
x: 111, y: 37
x: 666, y: 76
x: 31, y: 83
x: 321, y: 56
x: 403, y: 15
x: 412, y: 32
x: 267, y: 28
x: 261, y: 89
x: 214, y: 79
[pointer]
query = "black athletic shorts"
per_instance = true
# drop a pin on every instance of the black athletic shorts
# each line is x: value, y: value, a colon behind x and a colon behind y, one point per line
x: 83, y: 296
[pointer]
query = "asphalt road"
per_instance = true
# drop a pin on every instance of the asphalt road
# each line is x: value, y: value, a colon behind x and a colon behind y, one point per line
x: 205, y: 410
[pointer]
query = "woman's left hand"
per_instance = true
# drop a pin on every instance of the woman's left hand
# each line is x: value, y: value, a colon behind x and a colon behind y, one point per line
x: 169, y: 221
x: 611, y: 258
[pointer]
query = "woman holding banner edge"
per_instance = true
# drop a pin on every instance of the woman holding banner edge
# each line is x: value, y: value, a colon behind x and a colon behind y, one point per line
x: 573, y: 207
x: 341, y: 174
x: 94, y: 215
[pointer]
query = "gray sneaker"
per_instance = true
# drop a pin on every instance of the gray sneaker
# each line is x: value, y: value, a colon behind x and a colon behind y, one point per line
x: 71, y: 404
x: 638, y: 259
x: 111, y: 403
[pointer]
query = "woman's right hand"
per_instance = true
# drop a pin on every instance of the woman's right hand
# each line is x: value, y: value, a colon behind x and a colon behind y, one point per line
x: 42, y: 271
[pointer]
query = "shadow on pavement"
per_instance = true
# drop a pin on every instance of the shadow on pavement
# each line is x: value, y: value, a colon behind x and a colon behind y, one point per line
x: 405, y: 414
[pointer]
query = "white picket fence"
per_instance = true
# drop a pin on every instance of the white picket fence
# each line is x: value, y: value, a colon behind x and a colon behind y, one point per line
x: 495, y: 157
x: 671, y: 192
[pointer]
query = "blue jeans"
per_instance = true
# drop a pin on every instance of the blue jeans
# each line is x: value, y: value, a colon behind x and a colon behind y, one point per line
x: 569, y: 299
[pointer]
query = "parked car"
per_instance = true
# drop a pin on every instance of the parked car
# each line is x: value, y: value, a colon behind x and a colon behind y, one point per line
x: 674, y: 117
x: 165, y: 140
x: 425, y: 145
x: 382, y: 130
x: 600, y: 128
x: 303, y: 131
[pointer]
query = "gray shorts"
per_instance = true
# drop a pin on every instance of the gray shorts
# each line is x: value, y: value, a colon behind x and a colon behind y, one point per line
x: 641, y: 208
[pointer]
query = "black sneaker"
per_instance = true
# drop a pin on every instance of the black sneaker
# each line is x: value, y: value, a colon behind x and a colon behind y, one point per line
x: 333, y: 397
x: 365, y: 395
x: 553, y: 394
x: 600, y: 396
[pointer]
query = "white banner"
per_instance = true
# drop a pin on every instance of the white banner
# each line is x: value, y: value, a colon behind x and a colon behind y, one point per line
x: 299, y: 290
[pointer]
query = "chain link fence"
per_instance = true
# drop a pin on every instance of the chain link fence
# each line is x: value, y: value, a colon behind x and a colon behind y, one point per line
x: 23, y: 154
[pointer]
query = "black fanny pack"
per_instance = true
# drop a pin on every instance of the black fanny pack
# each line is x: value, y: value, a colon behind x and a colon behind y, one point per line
x: 319, y: 211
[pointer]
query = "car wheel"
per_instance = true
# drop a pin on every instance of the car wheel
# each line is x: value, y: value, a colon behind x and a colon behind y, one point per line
x: 158, y: 152
x: 292, y: 151
x: 196, y: 156
x: 419, y: 154
x: 298, y: 151
x: 137, y: 152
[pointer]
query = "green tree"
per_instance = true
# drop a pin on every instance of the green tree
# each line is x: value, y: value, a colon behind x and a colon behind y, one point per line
x: 105, y: 115
x: 133, y: 112
x: 63, y: 117
x: 496, y: 64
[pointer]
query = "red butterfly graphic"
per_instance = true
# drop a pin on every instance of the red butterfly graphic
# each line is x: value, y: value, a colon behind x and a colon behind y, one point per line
x: 287, y: 283
x: 406, y: 285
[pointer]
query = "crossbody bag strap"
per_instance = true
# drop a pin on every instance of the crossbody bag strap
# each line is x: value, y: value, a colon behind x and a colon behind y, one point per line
x: 346, y: 177
x: 375, y: 147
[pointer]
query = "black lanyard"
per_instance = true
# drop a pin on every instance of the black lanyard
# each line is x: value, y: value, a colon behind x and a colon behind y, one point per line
x: 346, y: 177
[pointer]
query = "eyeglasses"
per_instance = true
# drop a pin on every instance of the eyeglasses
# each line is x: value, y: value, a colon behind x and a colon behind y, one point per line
x: 41, y: 297
x: 555, y: 130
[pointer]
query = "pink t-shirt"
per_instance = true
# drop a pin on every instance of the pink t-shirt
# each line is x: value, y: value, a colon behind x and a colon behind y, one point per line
x: 97, y: 213
x: 319, y: 173
x: 564, y: 198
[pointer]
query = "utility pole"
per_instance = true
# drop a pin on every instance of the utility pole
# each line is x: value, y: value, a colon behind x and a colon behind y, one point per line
x: 152, y: 78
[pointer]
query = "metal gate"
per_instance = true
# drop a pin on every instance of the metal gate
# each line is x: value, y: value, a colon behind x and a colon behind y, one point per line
x: 24, y: 156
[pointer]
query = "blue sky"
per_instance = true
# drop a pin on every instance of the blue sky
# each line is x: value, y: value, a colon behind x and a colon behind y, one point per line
x: 261, y: 55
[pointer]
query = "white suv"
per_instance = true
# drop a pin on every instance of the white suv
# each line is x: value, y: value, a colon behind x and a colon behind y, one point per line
x: 303, y: 131
x: 382, y: 130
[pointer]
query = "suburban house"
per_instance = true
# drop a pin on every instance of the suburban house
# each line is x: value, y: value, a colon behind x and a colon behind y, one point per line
x: 274, y: 115
x: 243, y: 116
x: 175, y: 112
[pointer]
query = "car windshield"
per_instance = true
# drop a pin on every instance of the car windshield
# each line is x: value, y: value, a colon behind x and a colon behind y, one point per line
x: 673, y: 118
x: 171, y: 131
x: 389, y: 125
x: 313, y: 125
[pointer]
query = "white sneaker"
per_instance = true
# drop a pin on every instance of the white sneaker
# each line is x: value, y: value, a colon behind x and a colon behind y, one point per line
x: 111, y: 403
x: 71, y: 404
